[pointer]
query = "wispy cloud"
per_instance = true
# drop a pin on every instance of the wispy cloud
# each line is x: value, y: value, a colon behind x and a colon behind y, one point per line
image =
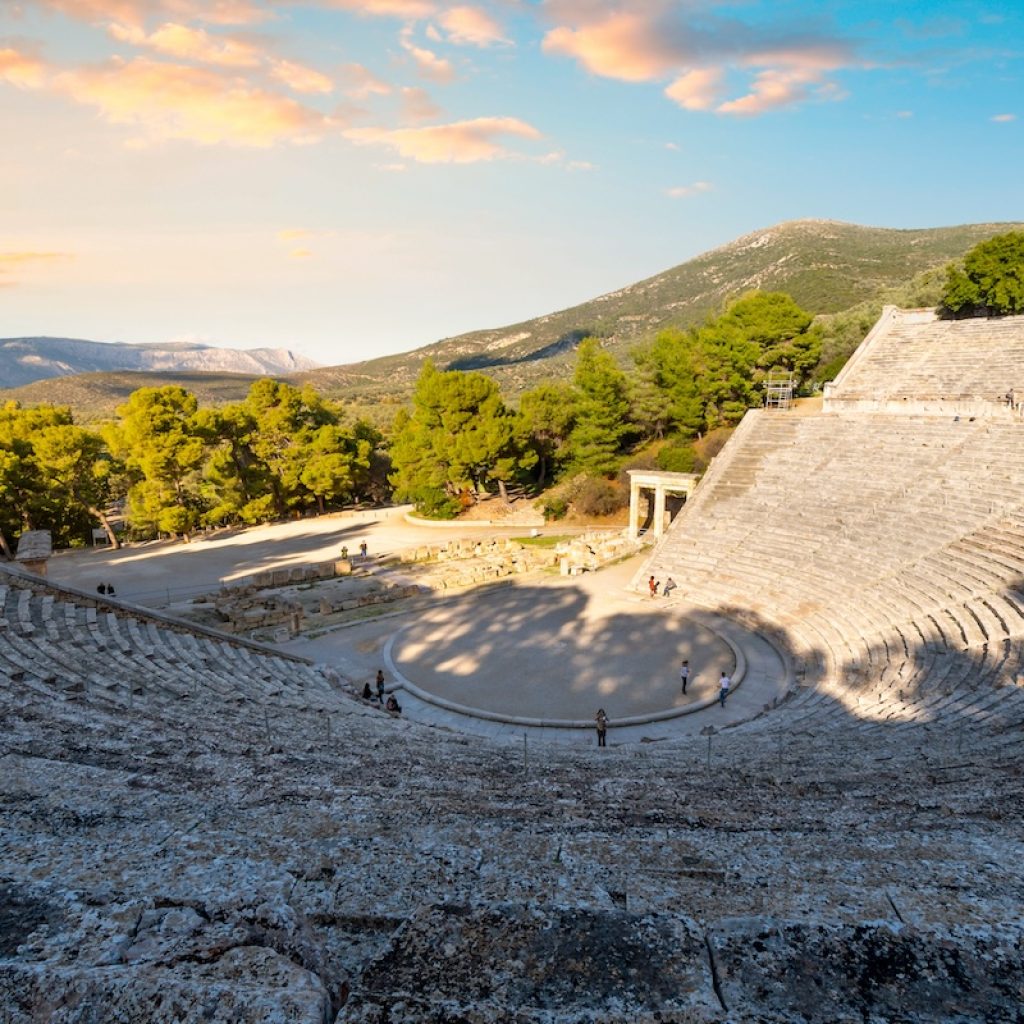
x: 685, y: 191
x: 360, y: 82
x: 174, y: 101
x: 136, y: 12
x: 300, y: 78
x: 417, y: 105
x: 12, y: 263
x: 1003, y: 118
x: 460, y: 142
x: 471, y: 26
x: 406, y: 9
x: 194, y: 44
x: 699, y: 89
x: 21, y: 70
x: 430, y: 65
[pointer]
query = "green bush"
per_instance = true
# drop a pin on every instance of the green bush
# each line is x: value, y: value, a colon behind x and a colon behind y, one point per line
x: 434, y: 503
x: 554, y: 507
x: 679, y: 458
x: 595, y: 496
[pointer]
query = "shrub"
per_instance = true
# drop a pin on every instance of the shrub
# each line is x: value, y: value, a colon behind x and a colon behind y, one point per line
x: 678, y: 458
x: 434, y: 503
x: 554, y: 507
x: 595, y: 496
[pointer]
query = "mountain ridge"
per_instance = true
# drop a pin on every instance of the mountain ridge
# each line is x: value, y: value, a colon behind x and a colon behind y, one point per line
x: 828, y: 266
x: 27, y: 360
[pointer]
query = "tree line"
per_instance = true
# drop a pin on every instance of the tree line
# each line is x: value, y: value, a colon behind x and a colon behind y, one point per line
x: 175, y: 467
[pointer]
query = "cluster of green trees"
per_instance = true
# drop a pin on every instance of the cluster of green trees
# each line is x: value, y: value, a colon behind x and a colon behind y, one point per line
x: 461, y: 438
x: 178, y: 467
x: 991, y: 280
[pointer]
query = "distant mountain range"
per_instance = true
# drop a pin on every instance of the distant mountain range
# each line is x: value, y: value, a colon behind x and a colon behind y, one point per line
x: 25, y: 360
x: 827, y: 266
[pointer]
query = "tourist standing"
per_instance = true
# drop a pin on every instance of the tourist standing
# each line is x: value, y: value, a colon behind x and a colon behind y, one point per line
x: 601, y: 720
x: 684, y: 674
x: 652, y: 586
x: 380, y: 686
x: 723, y: 688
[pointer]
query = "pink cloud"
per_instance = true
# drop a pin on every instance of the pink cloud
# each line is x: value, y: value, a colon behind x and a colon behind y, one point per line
x: 172, y: 101
x: 21, y: 70
x: 418, y: 106
x: 186, y: 43
x: 437, y: 69
x: 461, y: 142
x: 409, y: 9
x: 623, y: 44
x: 1004, y: 118
x: 299, y: 78
x: 360, y: 82
x: 698, y: 89
x: 652, y: 40
x: 472, y: 26
x: 136, y: 12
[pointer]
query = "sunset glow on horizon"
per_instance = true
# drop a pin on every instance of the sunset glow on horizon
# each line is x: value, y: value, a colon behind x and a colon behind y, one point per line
x: 350, y: 179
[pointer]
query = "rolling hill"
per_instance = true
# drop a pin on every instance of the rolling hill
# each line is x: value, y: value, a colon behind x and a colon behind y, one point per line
x: 828, y: 266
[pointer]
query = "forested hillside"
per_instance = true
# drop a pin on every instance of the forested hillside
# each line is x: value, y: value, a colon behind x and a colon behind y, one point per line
x: 841, y: 272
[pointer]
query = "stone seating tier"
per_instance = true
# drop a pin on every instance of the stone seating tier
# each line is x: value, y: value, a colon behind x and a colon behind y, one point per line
x: 881, y: 533
x: 913, y: 357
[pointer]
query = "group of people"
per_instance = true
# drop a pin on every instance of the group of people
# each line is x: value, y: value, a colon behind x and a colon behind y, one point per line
x: 654, y: 586
x: 391, y: 704
x: 724, y: 687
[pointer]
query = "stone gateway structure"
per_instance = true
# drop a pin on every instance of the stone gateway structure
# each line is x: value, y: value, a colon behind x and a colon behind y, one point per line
x: 197, y: 828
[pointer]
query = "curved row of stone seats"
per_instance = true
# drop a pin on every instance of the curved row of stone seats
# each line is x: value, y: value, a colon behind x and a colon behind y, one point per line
x: 890, y: 549
x: 82, y: 645
x: 912, y: 356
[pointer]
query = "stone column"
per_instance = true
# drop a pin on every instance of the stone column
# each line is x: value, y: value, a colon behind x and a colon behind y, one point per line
x: 634, y: 510
x: 659, y: 510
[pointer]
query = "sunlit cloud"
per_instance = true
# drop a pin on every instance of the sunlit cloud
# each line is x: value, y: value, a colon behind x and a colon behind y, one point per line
x: 418, y: 106
x: 136, y: 12
x: 699, y: 89
x: 654, y: 40
x: 13, y: 263
x: 408, y: 9
x: 685, y: 191
x: 192, y: 44
x: 621, y: 44
x: 1003, y: 118
x: 774, y: 89
x: 300, y: 254
x: 172, y: 101
x: 299, y: 78
x: 21, y: 70
x: 461, y: 142
x: 360, y: 82
x: 430, y: 65
x: 294, y: 234
x: 471, y: 26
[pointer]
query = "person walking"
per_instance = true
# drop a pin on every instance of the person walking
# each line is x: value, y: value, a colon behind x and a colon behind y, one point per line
x: 723, y: 688
x: 380, y: 686
x: 652, y: 586
x: 684, y: 674
x: 601, y: 719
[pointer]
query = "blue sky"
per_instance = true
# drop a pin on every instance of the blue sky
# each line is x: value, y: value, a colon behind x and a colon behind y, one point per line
x: 351, y: 178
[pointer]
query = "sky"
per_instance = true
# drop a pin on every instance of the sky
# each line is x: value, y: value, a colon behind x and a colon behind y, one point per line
x: 351, y: 179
